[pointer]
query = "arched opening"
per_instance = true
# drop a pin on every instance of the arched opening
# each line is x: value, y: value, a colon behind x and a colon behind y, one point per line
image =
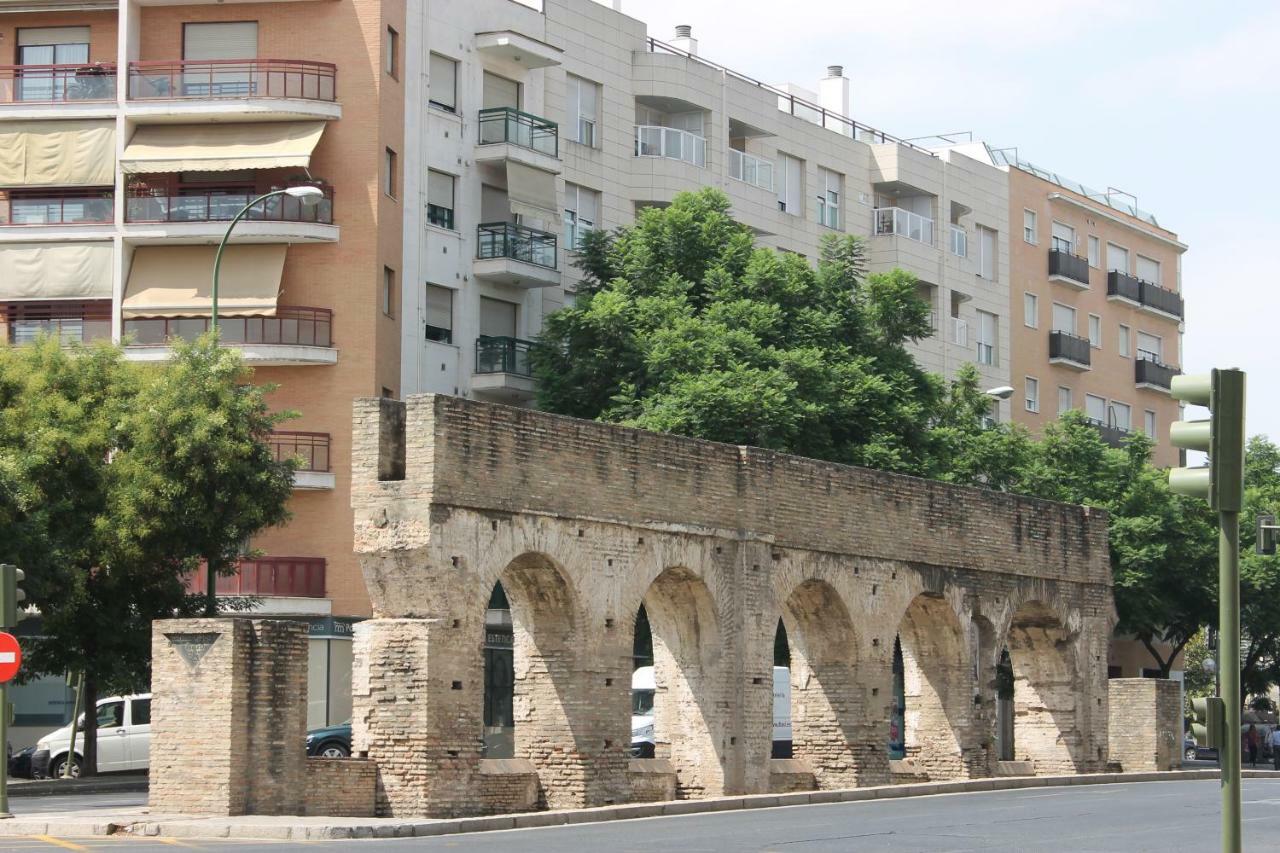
x: 828, y: 728
x: 643, y: 687
x: 782, y: 746
x: 686, y: 654
x: 937, y: 691
x: 1005, y: 745
x: 499, y: 677
x: 1044, y: 692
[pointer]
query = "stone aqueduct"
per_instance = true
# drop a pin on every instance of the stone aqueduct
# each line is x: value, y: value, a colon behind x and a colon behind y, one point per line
x: 583, y: 522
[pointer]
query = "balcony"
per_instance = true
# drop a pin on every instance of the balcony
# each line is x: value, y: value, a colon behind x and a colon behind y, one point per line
x: 1069, y: 351
x: 1071, y: 270
x: 1149, y: 373
x: 61, y: 91
x: 671, y: 143
x: 1160, y: 301
x: 1122, y: 287
x: 183, y: 90
x: 502, y: 369
x: 749, y: 169
x: 72, y: 322
x: 512, y: 254
x: 201, y: 216
x: 292, y: 336
x: 312, y: 449
x: 959, y: 242
x: 902, y: 223
x: 1111, y: 435
x: 509, y: 134
x: 287, y: 577
x: 51, y: 207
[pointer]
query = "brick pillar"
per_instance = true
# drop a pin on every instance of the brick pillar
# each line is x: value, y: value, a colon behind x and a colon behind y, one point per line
x: 228, y: 716
x: 1145, y: 723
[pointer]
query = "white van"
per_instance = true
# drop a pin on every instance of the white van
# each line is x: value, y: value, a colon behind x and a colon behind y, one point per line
x: 124, y: 739
x: 642, y: 692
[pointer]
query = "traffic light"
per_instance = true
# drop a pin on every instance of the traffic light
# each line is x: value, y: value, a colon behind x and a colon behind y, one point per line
x: 1221, y: 482
x: 1210, y: 725
x: 11, y: 595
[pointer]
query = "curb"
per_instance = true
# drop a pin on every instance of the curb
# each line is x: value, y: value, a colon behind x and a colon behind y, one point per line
x: 312, y: 829
x: 67, y: 787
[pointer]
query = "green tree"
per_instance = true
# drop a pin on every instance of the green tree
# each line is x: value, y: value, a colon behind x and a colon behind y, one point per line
x: 1259, y: 575
x: 115, y: 481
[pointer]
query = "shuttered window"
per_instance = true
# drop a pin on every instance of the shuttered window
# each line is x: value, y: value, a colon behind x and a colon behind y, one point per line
x: 497, y: 318
x: 500, y: 92
x: 443, y: 82
x: 230, y: 40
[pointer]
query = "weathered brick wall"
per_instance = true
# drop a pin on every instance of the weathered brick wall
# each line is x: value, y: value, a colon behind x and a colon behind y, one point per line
x: 508, y: 785
x: 340, y: 787
x: 1145, y: 723
x: 789, y: 774
x: 653, y: 780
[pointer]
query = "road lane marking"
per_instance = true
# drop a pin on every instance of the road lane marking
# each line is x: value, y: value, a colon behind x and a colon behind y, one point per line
x: 58, y: 842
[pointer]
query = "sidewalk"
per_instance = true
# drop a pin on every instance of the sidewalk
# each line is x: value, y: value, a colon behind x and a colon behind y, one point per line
x: 86, y: 823
x: 115, y: 783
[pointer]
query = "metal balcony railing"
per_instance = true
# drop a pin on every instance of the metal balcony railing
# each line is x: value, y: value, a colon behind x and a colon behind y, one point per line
x: 55, y: 207
x: 72, y: 322
x: 505, y: 124
x: 1063, y: 263
x: 311, y: 327
x: 311, y: 447
x: 1151, y: 372
x: 1111, y: 434
x: 1160, y: 299
x: 294, y: 577
x: 508, y: 240
x: 750, y: 169
x: 213, y: 206
x: 959, y: 242
x: 233, y: 78
x: 497, y: 354
x: 670, y: 143
x: 1069, y: 347
x: 51, y: 84
x: 903, y: 223
x: 1124, y: 286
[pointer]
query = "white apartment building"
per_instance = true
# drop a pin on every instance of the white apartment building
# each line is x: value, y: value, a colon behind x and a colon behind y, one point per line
x: 525, y: 128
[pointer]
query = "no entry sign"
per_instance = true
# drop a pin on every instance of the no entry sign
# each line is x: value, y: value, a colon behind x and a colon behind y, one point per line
x: 10, y: 657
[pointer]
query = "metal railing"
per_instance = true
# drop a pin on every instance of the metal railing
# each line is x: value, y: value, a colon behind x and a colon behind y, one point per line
x: 1070, y: 266
x: 959, y: 242
x: 52, y: 84
x: 440, y: 216
x: 309, y: 327
x: 959, y: 332
x: 750, y: 169
x: 797, y: 107
x: 1161, y: 299
x: 1124, y: 286
x: 505, y: 124
x: 671, y: 143
x: 294, y: 577
x: 211, y: 206
x: 311, y: 447
x: 904, y: 223
x: 508, y: 240
x: 498, y: 354
x: 52, y: 207
x: 1069, y: 347
x: 72, y: 322
x: 233, y: 78
x: 1112, y: 435
x: 1148, y: 370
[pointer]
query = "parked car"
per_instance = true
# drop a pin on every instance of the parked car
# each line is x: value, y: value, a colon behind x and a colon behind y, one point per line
x: 1192, y: 751
x: 124, y: 739
x: 20, y: 763
x: 330, y: 741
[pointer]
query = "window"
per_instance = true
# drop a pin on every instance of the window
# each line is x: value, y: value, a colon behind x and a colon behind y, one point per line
x: 389, y: 173
x: 1149, y: 423
x: 829, y: 197
x: 49, y: 46
x: 1095, y: 331
x: 222, y: 40
x: 1120, y: 416
x: 987, y: 253
x: 440, y: 199
x: 988, y: 327
x: 583, y: 101
x: 1064, y: 399
x: 1117, y: 258
x: 1033, y: 394
x: 581, y: 213
x: 500, y: 92
x: 1095, y: 252
x: 388, y: 291
x: 442, y: 82
x: 140, y: 712
x: 791, y: 180
x: 111, y: 715
x: 1064, y: 238
x: 1123, y: 344
x: 1030, y: 310
x: 1029, y: 230
x: 1095, y: 408
x: 391, y: 47
x: 1064, y: 318
x: 1150, y: 347
x: 1147, y: 269
x: 497, y: 318
x: 439, y: 304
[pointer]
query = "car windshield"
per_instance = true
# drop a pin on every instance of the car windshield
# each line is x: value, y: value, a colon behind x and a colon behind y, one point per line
x: 641, y: 702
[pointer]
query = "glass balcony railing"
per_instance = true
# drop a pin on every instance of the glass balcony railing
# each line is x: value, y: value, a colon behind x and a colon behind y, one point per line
x: 671, y: 143
x: 504, y: 124
x: 508, y: 240
x: 71, y: 322
x: 310, y: 447
x: 959, y: 242
x: 750, y: 169
x: 45, y: 84
x: 49, y: 207
x: 233, y: 78
x: 497, y: 354
x: 213, y: 206
x: 308, y: 327
x: 903, y: 223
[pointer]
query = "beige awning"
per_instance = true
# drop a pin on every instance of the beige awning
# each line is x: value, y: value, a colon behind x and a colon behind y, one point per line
x: 55, y: 271
x: 176, y: 281
x: 57, y: 153
x: 532, y: 192
x: 221, y: 147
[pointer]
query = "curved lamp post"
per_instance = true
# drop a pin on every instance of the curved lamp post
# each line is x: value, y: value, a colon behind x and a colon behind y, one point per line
x: 309, y: 196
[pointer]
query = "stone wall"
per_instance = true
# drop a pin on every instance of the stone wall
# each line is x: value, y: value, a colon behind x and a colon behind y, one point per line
x: 1145, y: 723
x: 652, y: 780
x: 340, y: 787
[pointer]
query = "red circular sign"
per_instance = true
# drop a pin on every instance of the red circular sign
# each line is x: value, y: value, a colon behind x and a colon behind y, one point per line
x: 10, y: 657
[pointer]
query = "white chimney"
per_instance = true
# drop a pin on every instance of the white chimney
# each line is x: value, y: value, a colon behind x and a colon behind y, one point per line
x: 684, y: 39
x: 833, y: 90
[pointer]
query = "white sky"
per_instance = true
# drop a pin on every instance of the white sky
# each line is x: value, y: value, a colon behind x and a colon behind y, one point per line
x: 1176, y: 101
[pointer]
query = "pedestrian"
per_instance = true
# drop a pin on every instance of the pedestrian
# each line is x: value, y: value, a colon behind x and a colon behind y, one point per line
x: 1275, y: 748
x: 1251, y: 744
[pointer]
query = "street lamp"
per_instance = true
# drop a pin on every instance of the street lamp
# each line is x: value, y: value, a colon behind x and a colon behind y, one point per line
x: 1004, y: 392
x: 308, y: 195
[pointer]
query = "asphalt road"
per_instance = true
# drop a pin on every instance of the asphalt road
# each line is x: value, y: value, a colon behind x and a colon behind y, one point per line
x: 1155, y: 816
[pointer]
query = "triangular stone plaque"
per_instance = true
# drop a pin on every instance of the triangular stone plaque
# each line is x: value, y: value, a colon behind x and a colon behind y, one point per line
x: 192, y: 647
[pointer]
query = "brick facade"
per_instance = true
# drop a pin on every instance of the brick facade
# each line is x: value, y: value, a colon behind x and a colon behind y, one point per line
x: 1145, y: 723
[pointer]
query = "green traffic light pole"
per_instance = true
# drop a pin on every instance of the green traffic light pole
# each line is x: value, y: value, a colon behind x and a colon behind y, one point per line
x: 309, y: 196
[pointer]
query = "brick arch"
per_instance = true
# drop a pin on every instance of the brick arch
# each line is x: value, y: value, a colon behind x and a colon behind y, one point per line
x: 1046, y: 688
x: 687, y: 648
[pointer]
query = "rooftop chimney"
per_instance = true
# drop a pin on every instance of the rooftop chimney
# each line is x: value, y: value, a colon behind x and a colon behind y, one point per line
x: 833, y: 91
x: 684, y: 39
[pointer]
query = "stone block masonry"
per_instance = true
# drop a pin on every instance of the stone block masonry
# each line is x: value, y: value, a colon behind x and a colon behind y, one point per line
x: 1145, y: 723
x: 583, y: 522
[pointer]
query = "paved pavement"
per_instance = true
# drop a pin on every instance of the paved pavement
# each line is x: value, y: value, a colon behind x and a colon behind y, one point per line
x: 128, y: 801
x: 1152, y: 816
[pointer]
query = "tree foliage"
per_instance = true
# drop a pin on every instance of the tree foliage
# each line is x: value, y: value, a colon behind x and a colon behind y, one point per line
x: 1259, y: 575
